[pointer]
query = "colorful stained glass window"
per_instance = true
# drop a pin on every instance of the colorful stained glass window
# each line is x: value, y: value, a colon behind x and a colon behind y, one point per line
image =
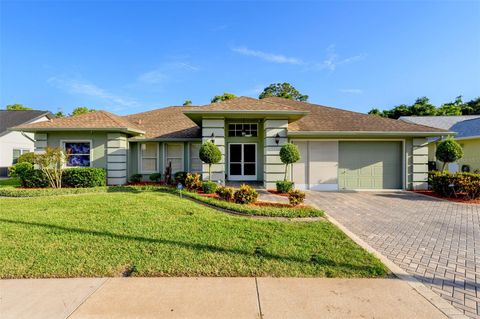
x: 78, y: 154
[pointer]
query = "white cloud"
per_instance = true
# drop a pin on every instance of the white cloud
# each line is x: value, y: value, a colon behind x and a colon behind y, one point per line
x: 152, y: 77
x: 270, y: 57
x: 165, y: 72
x: 351, y: 91
x: 333, y: 60
x: 75, y: 86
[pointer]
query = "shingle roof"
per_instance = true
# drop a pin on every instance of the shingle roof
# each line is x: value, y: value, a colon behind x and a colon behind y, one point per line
x: 93, y: 120
x: 464, y: 125
x: 324, y: 118
x: 10, y: 119
x: 168, y: 122
x: 244, y: 103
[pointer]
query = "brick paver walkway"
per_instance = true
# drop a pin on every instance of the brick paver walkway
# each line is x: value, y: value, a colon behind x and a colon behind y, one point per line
x: 436, y: 241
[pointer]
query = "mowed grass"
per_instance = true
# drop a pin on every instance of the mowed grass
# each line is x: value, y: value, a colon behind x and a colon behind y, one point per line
x: 158, y: 234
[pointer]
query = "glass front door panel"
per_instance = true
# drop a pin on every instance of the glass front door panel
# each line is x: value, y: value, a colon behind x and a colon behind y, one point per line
x: 242, y: 161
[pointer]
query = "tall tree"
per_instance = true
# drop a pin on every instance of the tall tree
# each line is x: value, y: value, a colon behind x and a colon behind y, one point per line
x: 17, y: 107
x: 220, y: 98
x: 81, y: 110
x: 59, y: 114
x: 187, y: 103
x: 471, y: 107
x: 285, y: 90
x: 451, y: 108
x: 422, y: 107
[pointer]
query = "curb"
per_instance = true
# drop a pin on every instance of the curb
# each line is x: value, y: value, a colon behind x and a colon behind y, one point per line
x: 438, y: 302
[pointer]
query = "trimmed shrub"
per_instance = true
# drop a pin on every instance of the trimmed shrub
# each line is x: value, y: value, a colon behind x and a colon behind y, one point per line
x: 245, y: 195
x: 289, y: 154
x: 448, y: 151
x: 26, y: 158
x: 296, y: 197
x: 210, y: 154
x: 136, y: 178
x: 225, y: 193
x: 37, y: 179
x: 284, y: 186
x: 155, y: 177
x: 448, y: 184
x: 180, y: 177
x: 209, y: 187
x: 193, y: 181
x: 83, y: 177
x: 21, y: 170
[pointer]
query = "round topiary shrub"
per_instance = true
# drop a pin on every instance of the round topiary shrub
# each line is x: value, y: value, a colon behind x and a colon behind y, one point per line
x: 210, y: 154
x: 289, y: 154
x: 448, y: 151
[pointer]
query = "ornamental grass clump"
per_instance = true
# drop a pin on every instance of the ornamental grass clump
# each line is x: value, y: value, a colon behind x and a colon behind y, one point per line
x: 245, y: 195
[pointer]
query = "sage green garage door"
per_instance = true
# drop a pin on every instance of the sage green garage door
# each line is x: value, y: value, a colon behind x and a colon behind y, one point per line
x: 370, y: 165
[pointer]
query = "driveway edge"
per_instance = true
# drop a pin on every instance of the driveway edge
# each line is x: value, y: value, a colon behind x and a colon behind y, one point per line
x: 437, y: 301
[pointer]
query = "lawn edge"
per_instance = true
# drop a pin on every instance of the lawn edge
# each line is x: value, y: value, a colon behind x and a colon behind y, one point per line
x: 438, y: 302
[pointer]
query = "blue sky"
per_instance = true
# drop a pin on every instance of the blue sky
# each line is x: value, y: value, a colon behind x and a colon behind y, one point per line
x: 128, y: 57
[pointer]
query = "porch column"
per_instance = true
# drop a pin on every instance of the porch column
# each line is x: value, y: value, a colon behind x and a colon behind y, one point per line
x: 217, y: 128
x: 420, y: 164
x: 273, y: 169
x: 116, y: 159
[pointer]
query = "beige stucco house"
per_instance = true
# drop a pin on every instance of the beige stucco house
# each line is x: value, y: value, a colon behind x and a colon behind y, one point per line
x: 340, y: 150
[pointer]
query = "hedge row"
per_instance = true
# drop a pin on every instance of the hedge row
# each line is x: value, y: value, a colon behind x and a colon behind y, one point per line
x: 449, y: 184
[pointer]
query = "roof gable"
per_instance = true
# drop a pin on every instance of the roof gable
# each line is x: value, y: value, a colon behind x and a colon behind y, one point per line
x: 11, y: 118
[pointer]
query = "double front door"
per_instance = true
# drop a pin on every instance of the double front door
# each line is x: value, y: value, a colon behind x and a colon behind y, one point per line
x: 242, y: 161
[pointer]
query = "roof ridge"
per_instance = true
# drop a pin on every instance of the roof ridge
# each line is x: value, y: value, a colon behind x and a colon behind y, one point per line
x: 112, y: 117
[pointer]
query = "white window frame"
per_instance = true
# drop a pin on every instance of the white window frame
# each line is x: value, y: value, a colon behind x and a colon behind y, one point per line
x: 22, y: 151
x: 241, y: 129
x: 63, y: 142
x: 140, y: 158
x: 183, y: 156
x: 243, y: 177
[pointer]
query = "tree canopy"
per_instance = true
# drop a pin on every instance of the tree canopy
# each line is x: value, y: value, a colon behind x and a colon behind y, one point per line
x: 285, y: 90
x: 422, y: 106
x: 224, y: 97
x: 17, y: 107
x: 81, y: 110
x: 187, y: 103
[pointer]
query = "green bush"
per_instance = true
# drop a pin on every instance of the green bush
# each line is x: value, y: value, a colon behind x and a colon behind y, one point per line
x: 284, y: 186
x: 225, y: 193
x: 136, y: 178
x: 193, y: 181
x: 180, y: 177
x: 37, y: 179
x: 448, y: 151
x: 448, y: 184
x: 289, y: 154
x: 83, y: 177
x: 245, y: 195
x: 21, y: 170
x: 210, y: 154
x: 26, y: 158
x: 155, y: 177
x: 296, y: 197
x: 209, y: 187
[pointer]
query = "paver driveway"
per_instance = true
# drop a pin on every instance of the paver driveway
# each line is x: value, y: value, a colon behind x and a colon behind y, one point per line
x: 436, y: 241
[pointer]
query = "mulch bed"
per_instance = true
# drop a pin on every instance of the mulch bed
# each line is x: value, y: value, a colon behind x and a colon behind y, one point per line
x: 275, y: 192
x: 460, y: 199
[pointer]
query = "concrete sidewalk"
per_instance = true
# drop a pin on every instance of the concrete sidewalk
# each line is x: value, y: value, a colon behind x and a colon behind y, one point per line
x: 212, y: 298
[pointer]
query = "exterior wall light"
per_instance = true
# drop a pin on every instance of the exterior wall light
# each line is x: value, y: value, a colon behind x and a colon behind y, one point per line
x: 213, y: 137
x: 277, y: 139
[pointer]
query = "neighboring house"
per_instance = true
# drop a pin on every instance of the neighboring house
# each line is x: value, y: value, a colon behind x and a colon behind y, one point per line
x: 467, y: 129
x: 14, y: 144
x: 340, y: 149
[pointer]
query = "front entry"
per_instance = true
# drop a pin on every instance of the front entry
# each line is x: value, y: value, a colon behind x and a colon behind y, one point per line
x: 242, y: 161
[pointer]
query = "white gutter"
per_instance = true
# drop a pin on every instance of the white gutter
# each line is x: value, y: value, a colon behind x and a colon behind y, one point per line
x: 366, y: 133
x: 25, y: 135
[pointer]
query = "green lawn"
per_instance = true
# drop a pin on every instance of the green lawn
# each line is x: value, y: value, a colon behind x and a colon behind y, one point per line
x: 9, y: 182
x: 158, y: 234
